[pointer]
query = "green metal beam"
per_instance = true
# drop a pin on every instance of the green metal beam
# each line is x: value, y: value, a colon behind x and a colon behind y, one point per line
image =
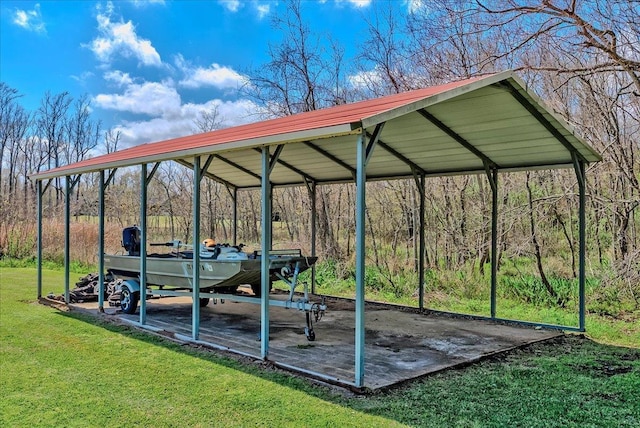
x: 458, y: 138
x: 101, y: 191
x: 582, y: 278
x: 524, y: 102
x: 195, y: 312
x: 361, y: 180
x: 264, y: 261
x: 144, y: 180
x: 39, y: 256
x: 331, y: 157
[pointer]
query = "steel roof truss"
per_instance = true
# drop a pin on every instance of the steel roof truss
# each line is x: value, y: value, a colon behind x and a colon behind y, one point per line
x: 403, y: 158
x: 540, y: 118
x: 373, y: 140
x: 463, y: 142
x: 331, y: 157
x: 418, y: 178
x: 206, y: 165
x: 112, y: 175
x: 240, y: 167
x: 152, y: 173
x: 46, y: 186
x: 275, y: 158
x: 205, y: 173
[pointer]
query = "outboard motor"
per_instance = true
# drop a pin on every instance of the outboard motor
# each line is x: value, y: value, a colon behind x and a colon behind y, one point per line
x: 131, y: 240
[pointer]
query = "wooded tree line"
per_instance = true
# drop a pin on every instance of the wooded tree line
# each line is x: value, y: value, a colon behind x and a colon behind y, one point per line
x: 581, y: 57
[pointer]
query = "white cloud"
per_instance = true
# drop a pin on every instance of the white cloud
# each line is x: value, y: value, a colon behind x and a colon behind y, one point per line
x: 82, y: 78
x: 414, y: 5
x: 233, y: 113
x: 263, y: 10
x: 30, y: 19
x: 143, y: 3
x: 168, y: 116
x: 356, y: 3
x: 230, y: 5
x: 261, y: 7
x: 215, y: 75
x: 365, y: 79
x: 151, y: 98
x: 120, y: 38
x: 118, y: 77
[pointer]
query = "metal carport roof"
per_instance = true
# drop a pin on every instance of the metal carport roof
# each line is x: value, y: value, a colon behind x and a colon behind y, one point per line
x: 485, y: 124
x: 460, y: 127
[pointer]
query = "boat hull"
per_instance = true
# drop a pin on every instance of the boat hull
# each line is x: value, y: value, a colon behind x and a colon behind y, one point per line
x: 214, y: 274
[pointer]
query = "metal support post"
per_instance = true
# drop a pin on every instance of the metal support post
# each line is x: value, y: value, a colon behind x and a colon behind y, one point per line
x: 39, y: 257
x: 67, y: 226
x: 101, y: 243
x: 421, y: 245
x: 271, y: 216
x: 235, y: 216
x: 314, y: 219
x: 266, y: 246
x: 581, y: 176
x: 493, y: 180
x: 143, y: 244
x: 195, y: 312
x: 361, y: 179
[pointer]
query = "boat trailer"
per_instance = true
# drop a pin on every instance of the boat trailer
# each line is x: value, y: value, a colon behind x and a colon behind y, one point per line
x: 130, y: 290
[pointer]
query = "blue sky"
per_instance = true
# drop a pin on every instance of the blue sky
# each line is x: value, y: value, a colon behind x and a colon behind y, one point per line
x: 150, y: 67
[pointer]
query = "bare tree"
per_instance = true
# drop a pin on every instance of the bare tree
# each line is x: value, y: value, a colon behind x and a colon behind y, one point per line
x: 111, y: 140
x: 51, y: 121
x: 208, y: 120
x: 607, y: 32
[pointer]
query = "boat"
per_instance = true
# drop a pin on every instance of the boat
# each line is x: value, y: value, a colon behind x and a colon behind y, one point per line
x: 223, y: 267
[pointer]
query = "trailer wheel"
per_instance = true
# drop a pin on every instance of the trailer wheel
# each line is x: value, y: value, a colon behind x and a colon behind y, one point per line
x: 204, y: 301
x: 128, y: 300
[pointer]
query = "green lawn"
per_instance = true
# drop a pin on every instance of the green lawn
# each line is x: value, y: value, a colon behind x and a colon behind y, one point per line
x: 67, y: 369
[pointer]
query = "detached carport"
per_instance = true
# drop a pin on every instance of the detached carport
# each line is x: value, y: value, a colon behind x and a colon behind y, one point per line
x: 483, y: 125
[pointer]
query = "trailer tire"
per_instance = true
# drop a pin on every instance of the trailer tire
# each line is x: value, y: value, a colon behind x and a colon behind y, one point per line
x: 204, y: 301
x: 128, y: 300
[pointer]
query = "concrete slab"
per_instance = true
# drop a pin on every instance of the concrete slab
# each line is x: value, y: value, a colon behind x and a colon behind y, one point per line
x: 400, y: 343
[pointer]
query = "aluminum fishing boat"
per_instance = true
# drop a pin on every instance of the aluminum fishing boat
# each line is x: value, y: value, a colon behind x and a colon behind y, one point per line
x: 223, y: 268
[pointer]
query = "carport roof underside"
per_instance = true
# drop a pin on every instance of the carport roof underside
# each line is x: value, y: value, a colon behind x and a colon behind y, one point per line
x: 468, y: 126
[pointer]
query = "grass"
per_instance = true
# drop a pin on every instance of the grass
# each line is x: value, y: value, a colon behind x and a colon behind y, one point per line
x: 61, y: 369
x: 69, y: 369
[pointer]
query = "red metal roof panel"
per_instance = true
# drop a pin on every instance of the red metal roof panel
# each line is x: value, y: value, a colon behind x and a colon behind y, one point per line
x: 345, y: 114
